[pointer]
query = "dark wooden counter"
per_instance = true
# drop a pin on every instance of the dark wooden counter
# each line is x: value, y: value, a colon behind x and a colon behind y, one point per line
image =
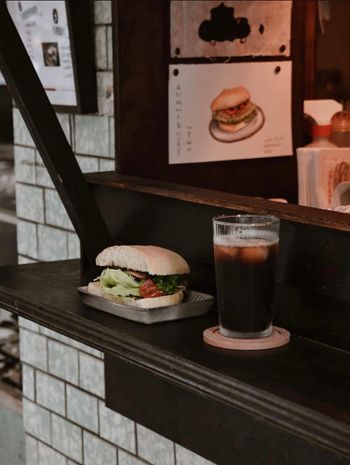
x: 287, y: 406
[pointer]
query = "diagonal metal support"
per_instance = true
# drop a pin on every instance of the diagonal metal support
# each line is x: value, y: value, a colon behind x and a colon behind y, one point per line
x: 50, y: 140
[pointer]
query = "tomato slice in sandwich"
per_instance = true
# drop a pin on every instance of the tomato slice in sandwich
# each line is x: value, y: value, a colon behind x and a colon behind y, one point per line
x: 149, y: 289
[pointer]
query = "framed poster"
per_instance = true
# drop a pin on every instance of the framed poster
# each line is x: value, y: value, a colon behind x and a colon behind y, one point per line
x: 59, y: 41
x: 186, y: 64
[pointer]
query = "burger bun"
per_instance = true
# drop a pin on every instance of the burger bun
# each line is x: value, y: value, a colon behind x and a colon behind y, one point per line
x: 229, y: 98
x: 146, y: 258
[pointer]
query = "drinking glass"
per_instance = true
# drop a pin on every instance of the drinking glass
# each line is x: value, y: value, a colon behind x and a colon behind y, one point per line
x: 245, y: 251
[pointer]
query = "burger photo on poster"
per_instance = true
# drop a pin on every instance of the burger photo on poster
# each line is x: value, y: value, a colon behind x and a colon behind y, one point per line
x: 234, y: 115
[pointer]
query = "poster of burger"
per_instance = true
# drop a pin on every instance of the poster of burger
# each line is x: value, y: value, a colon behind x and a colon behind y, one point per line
x: 229, y: 111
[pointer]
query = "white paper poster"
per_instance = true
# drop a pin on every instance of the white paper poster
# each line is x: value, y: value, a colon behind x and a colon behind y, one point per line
x: 43, y: 28
x: 229, y: 111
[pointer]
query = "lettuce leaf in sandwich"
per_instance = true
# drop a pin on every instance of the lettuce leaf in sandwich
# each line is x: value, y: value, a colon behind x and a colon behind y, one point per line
x: 119, y: 283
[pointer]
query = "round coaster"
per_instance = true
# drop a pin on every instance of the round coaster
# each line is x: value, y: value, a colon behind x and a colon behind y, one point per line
x: 279, y: 337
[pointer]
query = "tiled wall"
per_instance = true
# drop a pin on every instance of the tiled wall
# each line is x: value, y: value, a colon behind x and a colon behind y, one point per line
x: 65, y: 418
x: 44, y: 229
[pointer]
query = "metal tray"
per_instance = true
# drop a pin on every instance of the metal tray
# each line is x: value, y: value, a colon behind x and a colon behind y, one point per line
x: 194, y: 304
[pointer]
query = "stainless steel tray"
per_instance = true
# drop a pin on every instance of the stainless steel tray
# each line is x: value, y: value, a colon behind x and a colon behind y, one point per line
x: 194, y: 304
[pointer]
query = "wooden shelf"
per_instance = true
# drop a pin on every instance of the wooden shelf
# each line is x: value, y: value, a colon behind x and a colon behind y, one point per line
x: 234, y: 202
x: 285, y: 406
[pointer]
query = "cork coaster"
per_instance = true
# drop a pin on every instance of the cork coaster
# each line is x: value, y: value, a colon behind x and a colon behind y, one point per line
x: 279, y: 337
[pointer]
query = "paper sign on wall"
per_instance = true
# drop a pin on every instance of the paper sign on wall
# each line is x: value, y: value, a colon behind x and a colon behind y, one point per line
x: 229, y: 111
x: 43, y: 27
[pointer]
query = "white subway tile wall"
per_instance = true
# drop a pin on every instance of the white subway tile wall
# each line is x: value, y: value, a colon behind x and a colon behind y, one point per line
x: 42, y: 176
x: 117, y: 429
x: 111, y: 136
x: 186, y: 457
x: 30, y: 202
x: 27, y: 243
x: 98, y: 452
x: 109, y: 48
x: 64, y: 413
x: 104, y: 83
x: 25, y: 164
x: 101, y: 47
x: 63, y: 361
x: 53, y: 335
x: 73, y: 246
x: 27, y: 324
x: 37, y: 421
x: 48, y: 456
x: 33, y: 349
x: 67, y: 438
x: 31, y: 451
x: 127, y: 459
x: 91, y: 135
x: 91, y: 374
x: 28, y: 382
x: 65, y: 125
x: 55, y: 213
x: 23, y: 260
x: 106, y: 165
x: 21, y: 134
x: 154, y: 448
x: 64, y: 409
x: 53, y: 243
x: 87, y: 164
x: 82, y: 408
x: 50, y: 393
x: 103, y: 12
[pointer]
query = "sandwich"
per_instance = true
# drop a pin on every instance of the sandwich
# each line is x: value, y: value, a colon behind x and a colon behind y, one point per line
x: 144, y: 276
x: 232, y: 109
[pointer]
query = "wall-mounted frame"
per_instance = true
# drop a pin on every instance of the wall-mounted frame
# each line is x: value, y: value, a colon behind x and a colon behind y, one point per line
x: 58, y: 37
x: 142, y: 119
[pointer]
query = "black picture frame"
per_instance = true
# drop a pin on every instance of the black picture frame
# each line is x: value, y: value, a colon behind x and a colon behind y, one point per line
x: 80, y: 25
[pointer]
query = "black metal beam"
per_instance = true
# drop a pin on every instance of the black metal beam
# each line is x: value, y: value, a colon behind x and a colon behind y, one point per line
x: 45, y: 129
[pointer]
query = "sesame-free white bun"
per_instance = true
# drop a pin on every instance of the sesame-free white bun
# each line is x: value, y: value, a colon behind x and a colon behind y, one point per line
x: 147, y: 258
x: 95, y: 288
x: 230, y: 98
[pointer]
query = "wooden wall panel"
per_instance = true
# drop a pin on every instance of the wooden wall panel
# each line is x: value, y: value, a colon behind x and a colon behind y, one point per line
x: 141, y: 85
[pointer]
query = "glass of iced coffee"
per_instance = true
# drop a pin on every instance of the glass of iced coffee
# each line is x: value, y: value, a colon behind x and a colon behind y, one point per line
x: 245, y: 251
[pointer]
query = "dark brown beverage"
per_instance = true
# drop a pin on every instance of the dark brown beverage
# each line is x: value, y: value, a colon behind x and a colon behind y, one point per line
x: 245, y: 281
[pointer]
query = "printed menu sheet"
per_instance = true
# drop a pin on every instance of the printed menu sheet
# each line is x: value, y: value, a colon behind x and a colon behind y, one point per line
x: 43, y: 27
x: 229, y: 111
